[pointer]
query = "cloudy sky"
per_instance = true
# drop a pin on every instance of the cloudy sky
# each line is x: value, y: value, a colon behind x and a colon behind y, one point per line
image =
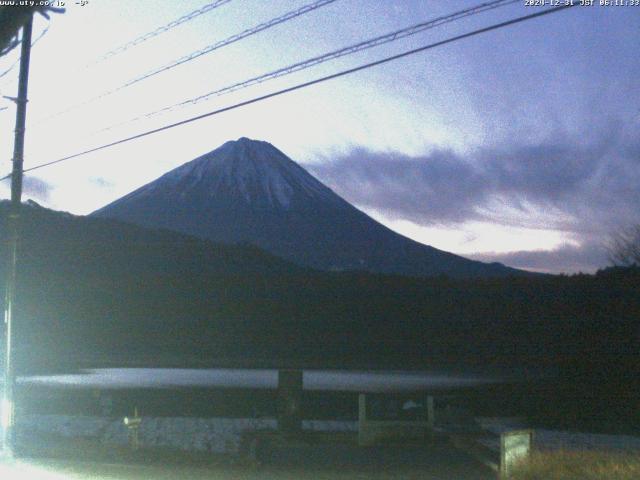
x: 521, y: 145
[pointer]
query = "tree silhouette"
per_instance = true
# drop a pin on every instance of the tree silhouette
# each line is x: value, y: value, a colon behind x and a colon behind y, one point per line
x: 624, y: 247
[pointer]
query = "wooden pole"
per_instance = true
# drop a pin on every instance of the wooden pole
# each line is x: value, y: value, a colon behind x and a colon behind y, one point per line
x: 14, y: 236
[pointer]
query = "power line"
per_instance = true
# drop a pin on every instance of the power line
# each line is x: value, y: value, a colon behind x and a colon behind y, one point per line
x: 208, y: 49
x: 154, y: 33
x: 374, y: 42
x: 296, y: 67
x: 301, y: 86
x: 232, y: 39
x: 136, y: 41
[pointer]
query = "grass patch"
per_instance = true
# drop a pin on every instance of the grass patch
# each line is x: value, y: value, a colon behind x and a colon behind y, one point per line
x: 568, y: 465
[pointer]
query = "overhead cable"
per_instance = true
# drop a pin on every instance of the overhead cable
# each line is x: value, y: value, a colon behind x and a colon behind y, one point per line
x: 296, y: 67
x: 301, y: 86
x: 154, y: 33
x: 203, y: 51
x: 227, y: 41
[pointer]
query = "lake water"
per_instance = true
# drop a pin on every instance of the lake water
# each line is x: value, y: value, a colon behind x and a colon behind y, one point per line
x: 359, y: 381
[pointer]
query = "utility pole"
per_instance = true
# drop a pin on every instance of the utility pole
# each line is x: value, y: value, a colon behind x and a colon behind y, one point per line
x: 14, y: 236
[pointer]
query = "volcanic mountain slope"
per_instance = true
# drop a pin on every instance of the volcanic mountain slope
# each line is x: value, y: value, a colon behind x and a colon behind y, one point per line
x: 248, y: 191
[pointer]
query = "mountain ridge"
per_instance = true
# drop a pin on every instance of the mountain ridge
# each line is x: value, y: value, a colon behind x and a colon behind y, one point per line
x: 248, y: 191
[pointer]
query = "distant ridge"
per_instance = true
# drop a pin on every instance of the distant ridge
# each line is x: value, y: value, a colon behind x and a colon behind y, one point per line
x: 248, y: 191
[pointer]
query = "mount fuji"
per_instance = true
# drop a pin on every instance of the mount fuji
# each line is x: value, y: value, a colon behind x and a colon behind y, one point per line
x: 249, y: 192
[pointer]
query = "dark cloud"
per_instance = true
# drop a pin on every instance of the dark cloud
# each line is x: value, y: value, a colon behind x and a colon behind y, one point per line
x: 587, y: 189
x: 418, y: 189
x: 565, y: 259
x: 555, y: 185
x: 36, y: 188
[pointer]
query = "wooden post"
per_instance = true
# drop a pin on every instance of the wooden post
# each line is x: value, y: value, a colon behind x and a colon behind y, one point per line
x: 431, y: 412
x: 362, y: 419
x: 515, y: 446
x: 133, y: 425
x: 289, y: 401
x: 362, y: 408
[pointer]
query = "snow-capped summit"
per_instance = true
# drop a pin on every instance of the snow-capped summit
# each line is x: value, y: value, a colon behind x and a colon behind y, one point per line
x: 248, y: 191
x: 253, y: 171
